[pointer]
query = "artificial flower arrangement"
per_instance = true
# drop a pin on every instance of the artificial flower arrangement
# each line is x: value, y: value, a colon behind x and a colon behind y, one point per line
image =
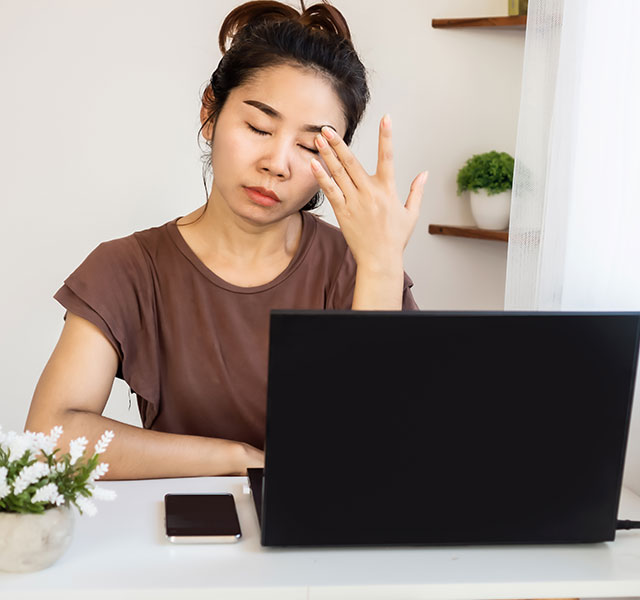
x: 33, y: 479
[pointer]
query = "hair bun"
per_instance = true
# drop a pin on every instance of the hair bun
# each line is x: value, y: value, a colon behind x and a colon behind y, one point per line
x: 326, y: 17
x: 322, y: 17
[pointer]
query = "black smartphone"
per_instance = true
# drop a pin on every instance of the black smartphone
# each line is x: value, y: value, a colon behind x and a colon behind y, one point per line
x: 201, y: 518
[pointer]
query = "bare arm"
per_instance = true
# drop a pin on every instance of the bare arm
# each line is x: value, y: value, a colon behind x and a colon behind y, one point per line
x: 379, y: 288
x: 375, y: 224
x: 73, y: 391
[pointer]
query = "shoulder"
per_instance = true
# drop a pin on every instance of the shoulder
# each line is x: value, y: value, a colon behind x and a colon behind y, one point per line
x: 150, y: 240
x: 115, y: 259
x: 133, y: 248
x: 123, y: 259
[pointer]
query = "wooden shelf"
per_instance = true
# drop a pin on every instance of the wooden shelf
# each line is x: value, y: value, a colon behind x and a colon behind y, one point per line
x: 470, y: 232
x: 514, y: 22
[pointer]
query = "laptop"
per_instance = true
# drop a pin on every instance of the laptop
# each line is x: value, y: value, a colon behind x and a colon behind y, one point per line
x: 445, y: 428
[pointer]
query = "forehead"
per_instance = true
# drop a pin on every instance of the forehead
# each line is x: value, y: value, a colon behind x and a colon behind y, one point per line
x: 299, y: 96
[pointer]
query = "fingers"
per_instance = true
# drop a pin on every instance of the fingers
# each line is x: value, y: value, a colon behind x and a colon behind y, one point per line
x: 385, y: 170
x: 415, y: 194
x: 342, y: 163
x: 330, y: 188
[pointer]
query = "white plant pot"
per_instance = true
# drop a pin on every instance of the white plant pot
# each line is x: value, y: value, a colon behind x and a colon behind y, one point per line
x: 490, y: 212
x: 31, y: 542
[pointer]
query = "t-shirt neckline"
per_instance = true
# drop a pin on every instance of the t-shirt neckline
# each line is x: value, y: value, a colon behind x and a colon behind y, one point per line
x: 308, y: 232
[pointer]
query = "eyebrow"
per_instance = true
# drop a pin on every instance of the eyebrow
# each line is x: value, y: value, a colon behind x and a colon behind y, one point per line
x: 272, y: 112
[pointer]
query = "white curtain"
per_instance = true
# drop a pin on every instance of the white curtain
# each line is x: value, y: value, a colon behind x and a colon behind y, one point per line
x: 574, y: 241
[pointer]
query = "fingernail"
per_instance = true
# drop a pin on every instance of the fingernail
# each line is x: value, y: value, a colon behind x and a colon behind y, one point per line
x: 386, y: 120
x: 327, y: 132
x: 423, y: 177
x: 315, y: 165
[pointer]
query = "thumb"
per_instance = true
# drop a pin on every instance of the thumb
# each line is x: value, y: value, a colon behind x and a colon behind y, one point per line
x: 415, y: 193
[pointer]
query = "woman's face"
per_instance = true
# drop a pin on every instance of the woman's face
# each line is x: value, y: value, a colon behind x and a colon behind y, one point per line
x: 283, y: 102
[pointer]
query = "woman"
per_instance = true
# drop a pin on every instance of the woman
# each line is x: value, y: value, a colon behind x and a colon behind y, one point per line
x: 181, y: 311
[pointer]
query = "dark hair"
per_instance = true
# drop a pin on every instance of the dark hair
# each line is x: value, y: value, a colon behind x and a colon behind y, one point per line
x: 267, y: 33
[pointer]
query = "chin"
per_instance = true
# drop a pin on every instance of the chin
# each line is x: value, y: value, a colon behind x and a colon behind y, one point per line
x: 262, y: 216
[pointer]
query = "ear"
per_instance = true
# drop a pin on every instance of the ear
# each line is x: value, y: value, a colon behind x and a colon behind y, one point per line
x: 204, y: 112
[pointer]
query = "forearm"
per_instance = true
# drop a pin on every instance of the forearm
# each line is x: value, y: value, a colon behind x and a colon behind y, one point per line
x: 379, y: 287
x: 137, y: 453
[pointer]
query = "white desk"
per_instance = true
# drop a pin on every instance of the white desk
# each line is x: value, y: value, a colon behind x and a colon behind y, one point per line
x: 122, y: 553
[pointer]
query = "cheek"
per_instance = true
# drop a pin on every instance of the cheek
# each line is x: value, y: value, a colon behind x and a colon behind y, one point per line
x: 308, y: 171
x: 313, y: 186
x: 230, y: 146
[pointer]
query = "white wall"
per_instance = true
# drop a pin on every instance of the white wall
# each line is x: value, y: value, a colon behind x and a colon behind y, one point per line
x: 99, y: 115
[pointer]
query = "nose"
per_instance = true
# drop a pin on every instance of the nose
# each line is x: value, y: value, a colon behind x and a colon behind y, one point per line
x: 276, y: 158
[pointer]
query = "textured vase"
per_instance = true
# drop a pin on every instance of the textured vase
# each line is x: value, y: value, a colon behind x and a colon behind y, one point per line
x: 30, y: 542
x: 490, y: 212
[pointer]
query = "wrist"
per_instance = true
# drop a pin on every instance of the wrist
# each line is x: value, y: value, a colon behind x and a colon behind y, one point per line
x: 381, y: 272
x: 386, y: 268
x: 227, y: 457
x: 378, y: 286
x: 238, y: 458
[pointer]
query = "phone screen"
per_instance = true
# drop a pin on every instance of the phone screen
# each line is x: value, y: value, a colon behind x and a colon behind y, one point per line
x: 203, y: 516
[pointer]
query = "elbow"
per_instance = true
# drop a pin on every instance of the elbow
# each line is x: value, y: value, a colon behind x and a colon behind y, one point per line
x: 43, y: 421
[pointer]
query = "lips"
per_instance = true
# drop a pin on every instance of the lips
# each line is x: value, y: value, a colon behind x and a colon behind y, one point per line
x: 262, y: 197
x: 265, y: 192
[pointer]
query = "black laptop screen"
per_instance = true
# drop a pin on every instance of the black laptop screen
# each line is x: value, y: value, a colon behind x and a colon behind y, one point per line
x: 423, y: 427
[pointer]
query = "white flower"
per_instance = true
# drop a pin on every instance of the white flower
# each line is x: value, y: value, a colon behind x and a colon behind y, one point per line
x: 17, y: 444
x: 55, y: 433
x: 86, y: 506
x: 35, y: 439
x: 100, y: 493
x: 99, y: 471
x: 48, y: 493
x: 76, y: 448
x: 45, y: 493
x: 104, y: 442
x: 29, y: 475
x: 5, y: 488
x: 48, y: 443
x: 38, y: 483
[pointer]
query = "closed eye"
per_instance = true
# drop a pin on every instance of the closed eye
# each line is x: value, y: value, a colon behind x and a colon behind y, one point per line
x: 257, y: 130
x: 266, y: 133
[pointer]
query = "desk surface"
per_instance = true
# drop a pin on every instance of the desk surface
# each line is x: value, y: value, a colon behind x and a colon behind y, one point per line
x: 124, y: 549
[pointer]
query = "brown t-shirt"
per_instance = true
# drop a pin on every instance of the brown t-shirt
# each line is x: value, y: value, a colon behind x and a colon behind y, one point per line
x: 193, y: 347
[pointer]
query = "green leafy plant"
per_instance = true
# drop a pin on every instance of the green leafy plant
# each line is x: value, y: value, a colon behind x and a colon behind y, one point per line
x: 491, y: 170
x: 33, y: 478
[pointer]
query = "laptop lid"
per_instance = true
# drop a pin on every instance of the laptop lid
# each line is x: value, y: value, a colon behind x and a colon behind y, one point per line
x: 446, y: 427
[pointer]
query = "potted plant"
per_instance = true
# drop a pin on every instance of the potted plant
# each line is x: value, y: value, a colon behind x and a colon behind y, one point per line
x: 37, y: 489
x: 489, y: 178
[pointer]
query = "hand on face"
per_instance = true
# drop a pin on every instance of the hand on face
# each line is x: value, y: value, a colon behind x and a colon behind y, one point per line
x: 374, y: 223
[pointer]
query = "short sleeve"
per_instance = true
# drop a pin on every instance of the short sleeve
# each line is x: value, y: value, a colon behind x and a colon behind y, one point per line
x: 340, y: 294
x: 113, y: 289
x: 408, y: 301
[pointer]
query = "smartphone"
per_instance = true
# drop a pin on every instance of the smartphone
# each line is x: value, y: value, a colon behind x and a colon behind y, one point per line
x: 201, y: 518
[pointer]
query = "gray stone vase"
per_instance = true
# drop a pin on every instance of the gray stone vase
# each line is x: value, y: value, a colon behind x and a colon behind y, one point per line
x: 31, y: 542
